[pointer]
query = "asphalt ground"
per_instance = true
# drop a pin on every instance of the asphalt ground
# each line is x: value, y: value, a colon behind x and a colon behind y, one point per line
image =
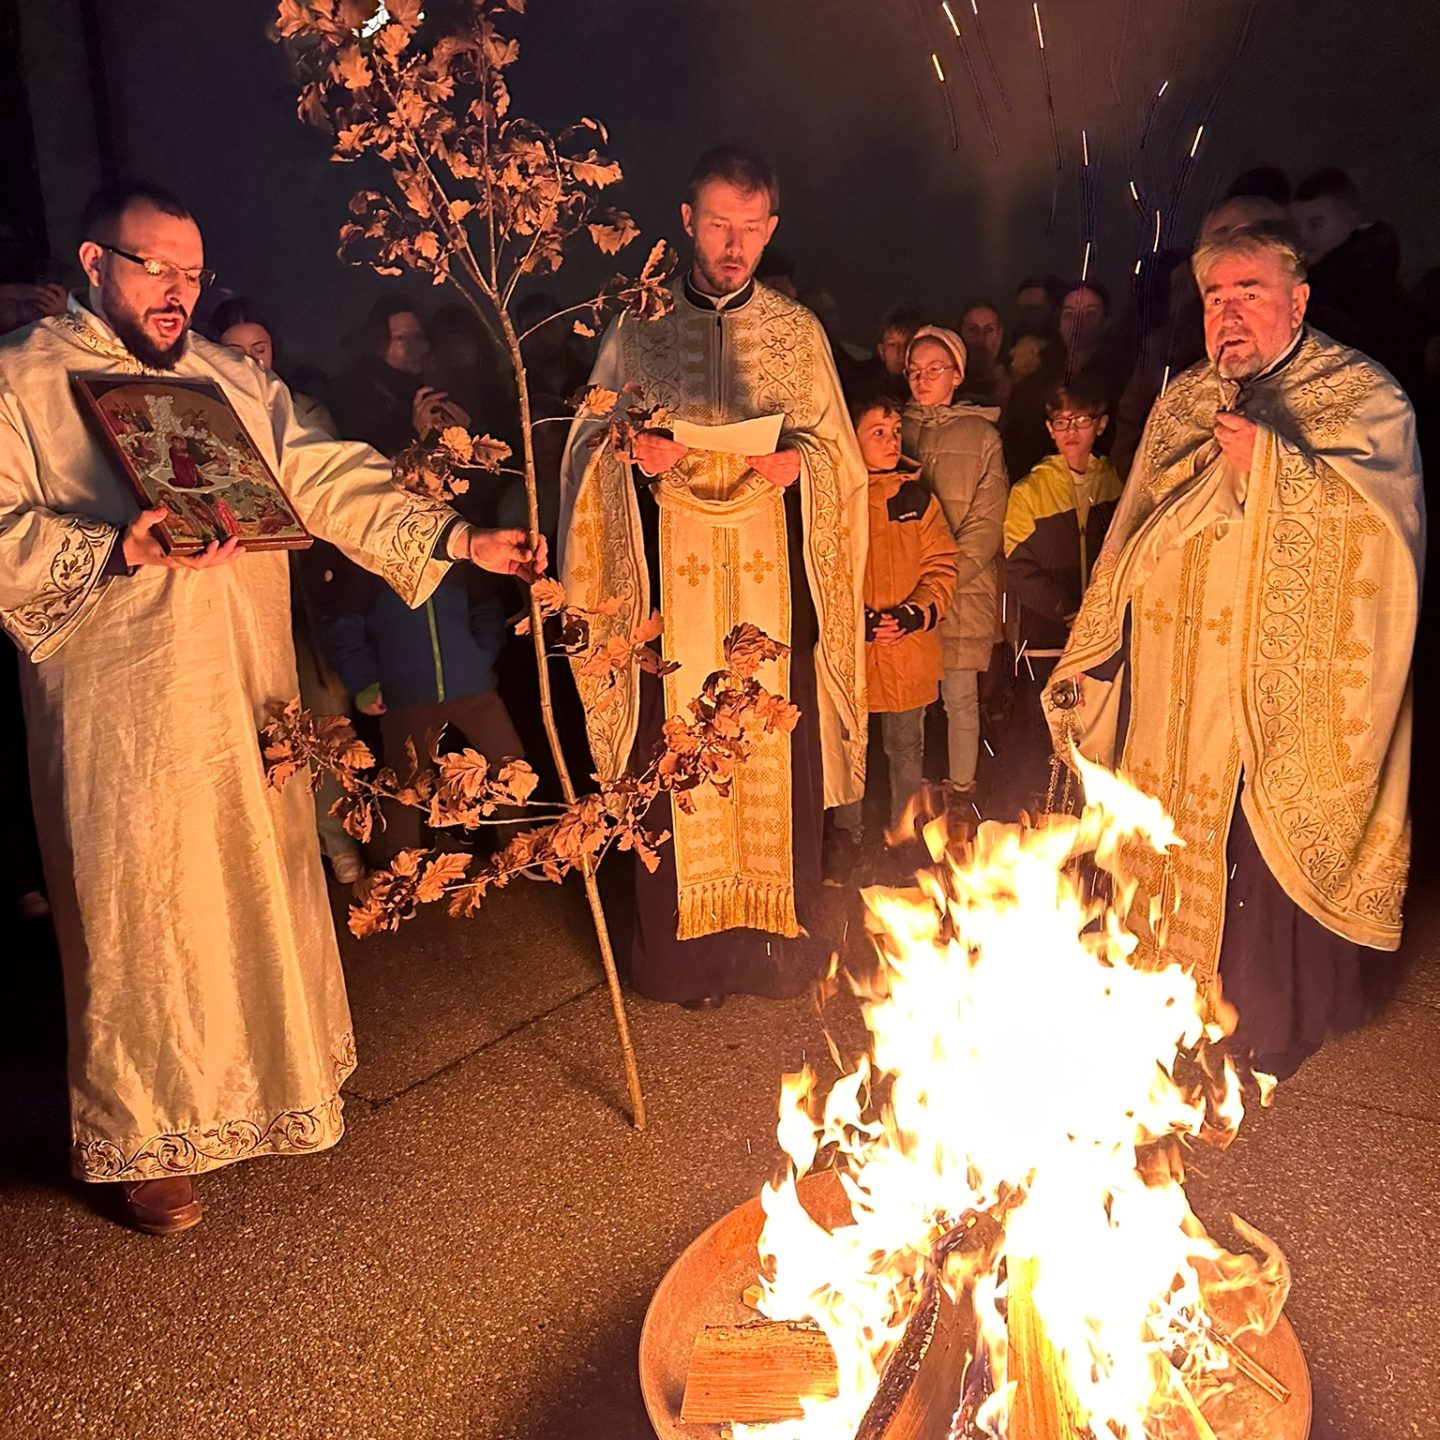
x: 475, y: 1258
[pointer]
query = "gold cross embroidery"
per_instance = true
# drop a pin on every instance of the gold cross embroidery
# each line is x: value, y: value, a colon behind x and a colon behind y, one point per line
x: 694, y: 570
x: 1160, y: 616
x: 1221, y: 625
x: 759, y: 567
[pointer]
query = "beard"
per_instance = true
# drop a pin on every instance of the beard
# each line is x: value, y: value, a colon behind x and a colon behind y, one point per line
x: 1239, y: 364
x: 129, y: 326
x: 1238, y: 356
x: 716, y: 281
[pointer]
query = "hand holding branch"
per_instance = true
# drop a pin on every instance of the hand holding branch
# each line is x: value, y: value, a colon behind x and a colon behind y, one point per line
x: 506, y: 552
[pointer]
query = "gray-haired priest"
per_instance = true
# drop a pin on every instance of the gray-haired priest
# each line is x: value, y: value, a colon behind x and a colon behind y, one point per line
x: 207, y: 1013
x: 1243, y: 653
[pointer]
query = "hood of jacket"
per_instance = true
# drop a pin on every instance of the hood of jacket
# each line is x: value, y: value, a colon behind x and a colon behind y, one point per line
x: 956, y: 410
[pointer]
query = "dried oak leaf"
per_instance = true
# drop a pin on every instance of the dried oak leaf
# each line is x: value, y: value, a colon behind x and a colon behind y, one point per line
x: 581, y: 831
x: 514, y: 783
x: 357, y: 814
x: 549, y: 595
x: 406, y: 865
x: 634, y: 837
x: 294, y: 17
x: 466, y: 772
x: 747, y: 648
x: 351, y: 68
x: 406, y: 14
x: 614, y: 232
x: 598, y: 401
x: 356, y: 14
x: 594, y: 170
x: 392, y: 42
x: 441, y: 873
x: 653, y: 663
x: 488, y: 453
x: 456, y: 439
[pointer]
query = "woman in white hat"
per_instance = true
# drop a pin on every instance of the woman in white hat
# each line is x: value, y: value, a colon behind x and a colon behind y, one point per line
x: 961, y: 460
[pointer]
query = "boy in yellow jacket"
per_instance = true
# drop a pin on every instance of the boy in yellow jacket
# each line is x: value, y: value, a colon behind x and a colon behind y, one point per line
x: 1055, y: 523
x: 909, y: 583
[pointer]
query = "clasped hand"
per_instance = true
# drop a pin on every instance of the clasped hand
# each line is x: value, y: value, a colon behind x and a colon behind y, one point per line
x: 888, y: 630
x: 655, y: 452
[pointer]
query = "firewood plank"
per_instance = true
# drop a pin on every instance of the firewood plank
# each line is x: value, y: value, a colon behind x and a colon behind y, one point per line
x: 757, y: 1373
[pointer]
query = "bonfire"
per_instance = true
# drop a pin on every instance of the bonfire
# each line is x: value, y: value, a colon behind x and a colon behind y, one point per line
x: 982, y: 1230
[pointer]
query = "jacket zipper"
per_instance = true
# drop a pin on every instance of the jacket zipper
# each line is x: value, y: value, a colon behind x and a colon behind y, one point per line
x: 435, y: 651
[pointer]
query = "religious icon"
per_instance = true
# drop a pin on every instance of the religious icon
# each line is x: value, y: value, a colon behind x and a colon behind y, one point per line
x: 180, y: 444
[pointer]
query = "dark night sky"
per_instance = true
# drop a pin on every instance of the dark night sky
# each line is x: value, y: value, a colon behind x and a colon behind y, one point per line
x: 840, y: 95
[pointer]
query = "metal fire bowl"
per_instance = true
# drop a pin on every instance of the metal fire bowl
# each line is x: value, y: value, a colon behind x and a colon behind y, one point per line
x: 703, y: 1287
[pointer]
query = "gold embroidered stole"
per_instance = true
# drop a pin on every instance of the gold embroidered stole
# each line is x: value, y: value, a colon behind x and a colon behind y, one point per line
x: 723, y: 559
x: 1185, y: 752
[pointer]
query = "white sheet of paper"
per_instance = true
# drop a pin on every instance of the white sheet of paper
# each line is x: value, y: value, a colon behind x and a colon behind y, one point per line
x: 757, y: 436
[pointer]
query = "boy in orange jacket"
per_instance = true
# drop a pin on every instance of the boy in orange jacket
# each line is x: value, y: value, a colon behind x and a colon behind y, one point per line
x: 909, y: 582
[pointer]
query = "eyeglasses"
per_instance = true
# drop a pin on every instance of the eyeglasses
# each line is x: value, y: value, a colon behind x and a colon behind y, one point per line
x: 162, y: 270
x: 937, y: 371
x: 1073, y: 422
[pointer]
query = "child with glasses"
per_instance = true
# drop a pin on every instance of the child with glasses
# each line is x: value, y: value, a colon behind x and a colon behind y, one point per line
x: 1055, y: 523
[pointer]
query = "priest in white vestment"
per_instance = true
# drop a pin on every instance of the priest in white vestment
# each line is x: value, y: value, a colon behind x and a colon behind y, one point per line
x: 207, y: 1013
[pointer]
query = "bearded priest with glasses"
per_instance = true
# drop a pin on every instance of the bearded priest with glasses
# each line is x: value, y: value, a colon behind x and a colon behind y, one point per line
x: 208, y: 1020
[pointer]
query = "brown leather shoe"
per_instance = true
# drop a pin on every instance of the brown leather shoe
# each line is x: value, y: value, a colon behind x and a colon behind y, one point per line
x: 160, y: 1207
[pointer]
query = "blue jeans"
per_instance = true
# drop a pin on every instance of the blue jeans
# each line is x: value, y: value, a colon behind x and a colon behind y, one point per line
x: 902, y: 734
x: 961, y: 692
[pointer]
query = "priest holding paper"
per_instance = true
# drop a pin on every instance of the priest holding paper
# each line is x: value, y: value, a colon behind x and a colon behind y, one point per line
x: 751, y: 509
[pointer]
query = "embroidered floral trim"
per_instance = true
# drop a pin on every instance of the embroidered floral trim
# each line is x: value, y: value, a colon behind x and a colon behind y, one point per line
x: 61, y: 600
x: 100, y: 344
x: 413, y: 547
x: 294, y: 1132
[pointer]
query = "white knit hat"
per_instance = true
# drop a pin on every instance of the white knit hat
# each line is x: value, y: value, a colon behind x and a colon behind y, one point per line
x: 949, y: 339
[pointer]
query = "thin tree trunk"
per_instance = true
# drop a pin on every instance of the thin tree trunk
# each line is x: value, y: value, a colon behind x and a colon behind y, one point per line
x: 547, y: 712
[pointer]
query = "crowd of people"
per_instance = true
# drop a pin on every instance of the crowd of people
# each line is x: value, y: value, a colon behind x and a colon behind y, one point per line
x: 924, y: 538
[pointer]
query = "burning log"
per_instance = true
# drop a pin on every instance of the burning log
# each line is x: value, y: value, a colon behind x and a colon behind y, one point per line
x: 1245, y: 1364
x: 916, y: 1397
x: 1044, y: 1407
x: 758, y: 1372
